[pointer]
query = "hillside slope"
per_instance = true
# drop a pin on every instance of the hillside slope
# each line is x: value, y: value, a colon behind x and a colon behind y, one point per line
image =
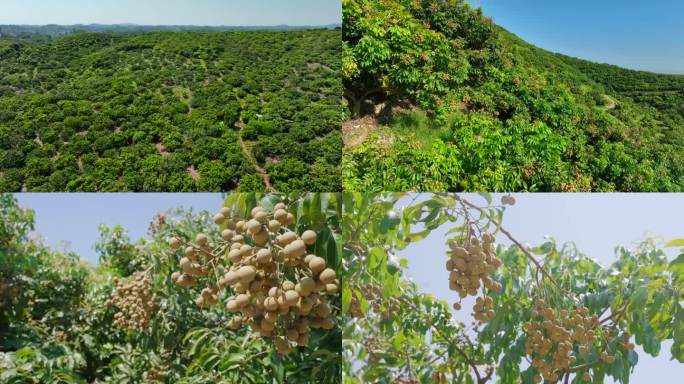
x: 492, y: 112
x: 157, y: 111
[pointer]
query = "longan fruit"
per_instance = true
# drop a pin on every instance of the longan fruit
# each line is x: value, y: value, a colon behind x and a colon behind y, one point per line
x: 219, y: 219
x: 260, y: 238
x: 274, y: 225
x: 175, y: 243
x: 201, y: 239
x: 286, y: 238
x: 308, y: 284
x: 280, y: 215
x: 331, y: 288
x: 317, y: 264
x: 327, y: 275
x: 263, y: 256
x: 280, y: 205
x: 227, y: 234
x: 292, y: 334
x: 309, y: 237
x: 295, y: 249
x: 261, y: 216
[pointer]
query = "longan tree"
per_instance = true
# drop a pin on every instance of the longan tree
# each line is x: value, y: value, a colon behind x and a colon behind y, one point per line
x: 540, y: 314
x: 248, y: 295
x: 416, y: 50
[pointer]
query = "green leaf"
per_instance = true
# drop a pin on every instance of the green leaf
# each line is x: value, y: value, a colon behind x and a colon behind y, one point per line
x: 675, y: 243
x: 346, y: 298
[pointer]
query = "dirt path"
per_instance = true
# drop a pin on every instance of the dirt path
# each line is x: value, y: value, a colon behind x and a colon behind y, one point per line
x: 248, y: 153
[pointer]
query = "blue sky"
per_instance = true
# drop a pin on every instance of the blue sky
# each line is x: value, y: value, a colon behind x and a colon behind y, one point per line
x: 646, y: 35
x: 75, y: 217
x: 166, y: 12
x: 595, y: 222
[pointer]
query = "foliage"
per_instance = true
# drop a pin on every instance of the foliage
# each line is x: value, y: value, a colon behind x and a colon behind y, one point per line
x: 60, y: 328
x: 395, y: 333
x: 399, y: 48
x: 164, y: 111
x: 518, y: 118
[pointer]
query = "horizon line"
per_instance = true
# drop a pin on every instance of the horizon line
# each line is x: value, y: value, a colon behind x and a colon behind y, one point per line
x: 172, y: 25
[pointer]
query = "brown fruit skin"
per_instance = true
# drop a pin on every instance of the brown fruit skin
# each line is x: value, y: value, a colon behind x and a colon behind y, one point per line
x: 280, y: 205
x: 308, y: 284
x: 331, y: 288
x: 327, y: 276
x: 303, y: 340
x: 260, y: 238
x: 254, y: 226
x: 317, y: 264
x: 227, y: 234
x: 288, y: 286
x: 292, y: 334
x: 246, y: 274
x: 280, y: 215
x: 309, y: 237
x: 274, y: 225
x: 271, y: 304
x: 261, y: 216
x: 201, y: 239
x: 291, y: 297
x: 286, y: 238
x: 219, y: 219
x: 263, y: 256
x: 295, y: 249
x: 175, y: 243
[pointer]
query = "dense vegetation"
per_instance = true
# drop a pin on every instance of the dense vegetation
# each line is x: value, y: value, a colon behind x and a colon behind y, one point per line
x: 453, y: 102
x: 29, y: 31
x: 171, y: 111
x: 545, y: 313
x: 62, y: 321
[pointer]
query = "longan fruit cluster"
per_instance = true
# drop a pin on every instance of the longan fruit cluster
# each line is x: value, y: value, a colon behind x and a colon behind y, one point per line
x: 553, y: 335
x: 278, y: 288
x: 507, y: 200
x: 470, y: 265
x: 135, y: 301
x: 626, y: 344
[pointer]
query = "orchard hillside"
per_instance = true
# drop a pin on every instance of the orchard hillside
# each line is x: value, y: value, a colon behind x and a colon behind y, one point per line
x: 441, y: 98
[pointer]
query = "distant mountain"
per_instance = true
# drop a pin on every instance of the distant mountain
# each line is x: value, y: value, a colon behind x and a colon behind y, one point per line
x: 56, y: 30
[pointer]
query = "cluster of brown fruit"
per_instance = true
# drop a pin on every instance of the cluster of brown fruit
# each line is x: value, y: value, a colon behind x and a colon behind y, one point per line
x: 552, y: 336
x: 135, y: 301
x: 276, y: 286
x: 507, y: 200
x: 470, y: 265
x: 626, y: 344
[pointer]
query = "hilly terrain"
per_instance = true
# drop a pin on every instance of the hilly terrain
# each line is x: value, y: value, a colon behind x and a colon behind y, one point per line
x: 441, y: 98
x: 171, y: 111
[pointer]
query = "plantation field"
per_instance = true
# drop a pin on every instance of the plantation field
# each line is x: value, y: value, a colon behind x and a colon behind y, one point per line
x: 171, y: 111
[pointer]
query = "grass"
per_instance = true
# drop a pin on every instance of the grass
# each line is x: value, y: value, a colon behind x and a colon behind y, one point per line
x: 414, y: 125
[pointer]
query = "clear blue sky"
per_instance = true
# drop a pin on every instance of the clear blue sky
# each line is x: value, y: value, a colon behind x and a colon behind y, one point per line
x: 167, y: 12
x: 595, y: 222
x: 75, y: 217
x: 639, y: 34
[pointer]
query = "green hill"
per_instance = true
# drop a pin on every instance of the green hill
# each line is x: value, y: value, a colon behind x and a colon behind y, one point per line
x: 171, y: 111
x: 458, y: 103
